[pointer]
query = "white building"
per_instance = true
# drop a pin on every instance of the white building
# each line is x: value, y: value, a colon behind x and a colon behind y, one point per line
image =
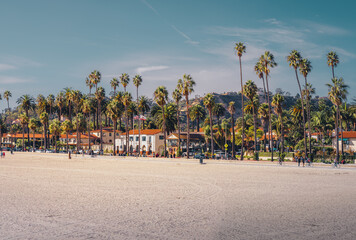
x: 349, y: 139
x: 152, y: 142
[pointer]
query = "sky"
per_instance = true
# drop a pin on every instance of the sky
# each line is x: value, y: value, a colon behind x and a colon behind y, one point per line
x: 46, y: 46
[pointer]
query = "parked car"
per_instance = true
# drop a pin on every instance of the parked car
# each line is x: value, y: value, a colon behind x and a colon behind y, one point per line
x: 199, y: 155
x: 49, y: 151
x: 191, y: 154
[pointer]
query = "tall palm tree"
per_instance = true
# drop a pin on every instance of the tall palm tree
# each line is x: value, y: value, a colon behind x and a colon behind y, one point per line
x: 277, y: 103
x: 196, y: 113
x: 126, y: 101
x: 67, y: 127
x: 114, y: 83
x: 177, y: 97
x: 337, y: 94
x: 115, y: 111
x: 99, y: 96
x: 232, y: 110
x: 137, y: 81
x: 186, y: 87
x: 259, y: 71
x: 250, y: 91
x: 294, y: 59
x: 89, y: 84
x: 50, y: 102
x: 304, y: 68
x: 209, y: 103
x: 68, y: 93
x: 26, y: 103
x: 219, y: 111
x: 143, y: 106
x: 333, y: 61
x: 161, y: 98
x: 124, y: 79
x: 263, y: 113
x: 60, y: 103
x: 7, y: 96
x: 24, y: 122
x: 267, y: 60
x: 55, y: 129
x: 77, y: 99
x: 241, y: 49
x: 33, y: 125
x: 44, y: 120
x: 86, y: 109
x: 95, y: 78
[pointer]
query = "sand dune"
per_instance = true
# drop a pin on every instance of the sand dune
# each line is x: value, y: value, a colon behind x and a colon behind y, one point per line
x: 47, y: 196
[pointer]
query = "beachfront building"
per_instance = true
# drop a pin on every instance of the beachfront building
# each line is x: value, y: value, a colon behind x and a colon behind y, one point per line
x: 83, y: 138
x: 152, y: 142
x: 349, y: 139
x: 108, y: 139
x: 10, y: 139
x: 196, y: 142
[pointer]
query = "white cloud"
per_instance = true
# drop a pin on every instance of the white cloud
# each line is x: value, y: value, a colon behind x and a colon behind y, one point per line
x: 141, y: 70
x: 4, y: 67
x: 13, y: 80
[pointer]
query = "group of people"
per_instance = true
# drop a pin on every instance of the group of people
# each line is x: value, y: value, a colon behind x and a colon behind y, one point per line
x: 302, y: 159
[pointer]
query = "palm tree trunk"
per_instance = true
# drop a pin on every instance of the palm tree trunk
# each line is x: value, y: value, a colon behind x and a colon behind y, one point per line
x: 188, y: 130
x: 243, y: 115
x: 254, y: 127
x: 89, y: 147
x: 45, y: 137
x: 308, y: 115
x: 282, y: 134
x: 115, y: 120
x: 211, y: 133
x: 139, y: 127
x: 23, y: 139
x: 77, y: 133
x: 302, y: 99
x: 342, y: 136
x: 33, y: 139
x: 164, y: 132
x: 179, y: 150
x: 67, y: 141
x: 55, y: 139
x: 269, y: 119
x: 233, y: 136
x: 264, y: 88
x: 127, y: 130
x: 337, y: 133
x: 101, y: 128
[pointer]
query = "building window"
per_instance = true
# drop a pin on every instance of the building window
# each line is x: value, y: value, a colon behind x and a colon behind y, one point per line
x: 161, y: 137
x: 137, y: 138
x: 109, y: 134
x: 143, y: 138
x: 110, y: 140
x: 150, y: 139
x: 131, y: 138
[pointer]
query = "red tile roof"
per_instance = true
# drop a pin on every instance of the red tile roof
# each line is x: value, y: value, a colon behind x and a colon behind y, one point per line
x: 348, y: 134
x: 145, y: 132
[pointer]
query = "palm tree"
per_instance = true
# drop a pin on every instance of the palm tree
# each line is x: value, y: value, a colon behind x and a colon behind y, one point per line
x: 7, y: 95
x: 126, y: 101
x: 124, y: 79
x: 196, y: 113
x: 232, y: 110
x: 209, y: 103
x: 304, y: 68
x: 294, y: 60
x: 67, y: 127
x: 333, y: 61
x: 219, y: 111
x: 95, y: 78
x: 99, y: 96
x: 60, y: 102
x: 86, y: 109
x: 89, y: 83
x: 68, y: 92
x: 170, y: 117
x: 114, y: 83
x: 263, y: 113
x: 240, y: 49
x: 177, y: 96
x: 186, y: 87
x: 267, y: 60
x: 24, y: 123
x: 50, y: 102
x: 33, y: 125
x: 250, y: 91
x: 259, y: 71
x: 161, y: 98
x: 137, y: 81
x: 44, y: 120
x: 55, y: 129
x: 143, y: 106
x: 77, y: 99
x: 337, y: 93
x: 115, y: 111
x: 26, y: 103
x: 277, y: 103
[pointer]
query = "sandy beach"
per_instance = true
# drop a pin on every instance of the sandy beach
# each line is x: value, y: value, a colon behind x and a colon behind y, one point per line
x: 47, y: 196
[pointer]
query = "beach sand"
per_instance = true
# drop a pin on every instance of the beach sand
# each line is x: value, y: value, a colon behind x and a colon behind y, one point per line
x: 47, y: 196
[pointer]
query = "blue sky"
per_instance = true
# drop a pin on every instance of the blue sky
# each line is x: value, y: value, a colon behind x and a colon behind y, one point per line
x: 48, y: 45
